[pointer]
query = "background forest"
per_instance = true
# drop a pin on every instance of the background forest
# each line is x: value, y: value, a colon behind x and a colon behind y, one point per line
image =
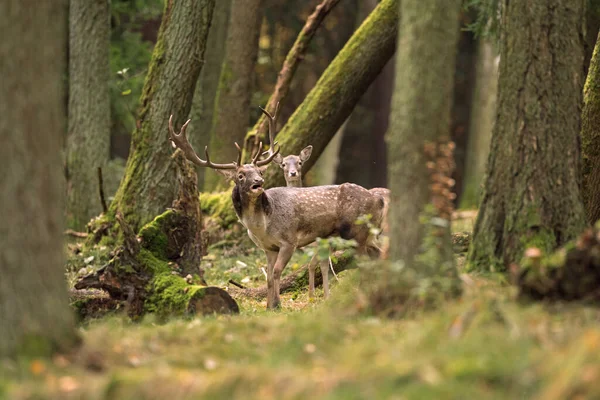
x: 465, y: 265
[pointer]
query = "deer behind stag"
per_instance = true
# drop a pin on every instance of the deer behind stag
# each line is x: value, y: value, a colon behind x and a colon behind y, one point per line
x: 281, y: 219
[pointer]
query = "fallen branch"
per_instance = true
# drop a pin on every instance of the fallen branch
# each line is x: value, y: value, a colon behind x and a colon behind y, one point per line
x: 292, y: 60
x: 297, y: 279
x: 234, y: 283
x: 71, y: 232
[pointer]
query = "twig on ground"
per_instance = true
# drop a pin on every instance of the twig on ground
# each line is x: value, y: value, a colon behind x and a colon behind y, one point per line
x: 234, y: 283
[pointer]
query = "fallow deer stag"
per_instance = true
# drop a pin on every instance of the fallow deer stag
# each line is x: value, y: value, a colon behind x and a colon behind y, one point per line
x: 281, y: 219
x: 292, y: 172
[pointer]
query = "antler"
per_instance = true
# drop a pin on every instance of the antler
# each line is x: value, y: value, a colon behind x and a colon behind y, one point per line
x: 179, y: 140
x: 270, y: 152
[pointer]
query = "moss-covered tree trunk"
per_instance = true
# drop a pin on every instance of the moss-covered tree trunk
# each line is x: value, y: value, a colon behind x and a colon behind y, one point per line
x: 340, y: 87
x: 590, y: 139
x: 206, y: 88
x: 88, y: 143
x: 35, y: 315
x: 149, y: 184
x: 419, y: 148
x: 158, y: 270
x: 531, y: 195
x: 483, y: 113
x: 232, y: 106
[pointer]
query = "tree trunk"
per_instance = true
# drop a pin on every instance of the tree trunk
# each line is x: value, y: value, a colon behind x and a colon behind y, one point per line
x: 36, y: 318
x: 88, y: 145
x: 592, y: 25
x: 340, y: 87
x: 482, y: 122
x: 206, y: 88
x: 149, y: 184
x: 363, y: 151
x: 464, y: 80
x: 531, y: 194
x: 419, y: 150
x: 590, y: 139
x: 232, y: 109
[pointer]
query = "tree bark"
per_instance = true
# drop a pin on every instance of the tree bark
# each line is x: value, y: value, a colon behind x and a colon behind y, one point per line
x: 36, y: 318
x: 419, y: 151
x: 460, y: 115
x: 232, y: 110
x: 340, y: 87
x: 482, y: 122
x: 88, y: 145
x: 590, y: 139
x: 284, y: 79
x: 531, y: 195
x: 149, y: 184
x: 205, y: 95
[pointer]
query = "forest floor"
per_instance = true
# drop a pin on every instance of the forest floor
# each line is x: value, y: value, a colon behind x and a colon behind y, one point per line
x: 483, y: 345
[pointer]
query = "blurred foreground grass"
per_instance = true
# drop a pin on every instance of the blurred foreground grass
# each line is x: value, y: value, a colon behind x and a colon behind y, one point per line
x: 483, y: 346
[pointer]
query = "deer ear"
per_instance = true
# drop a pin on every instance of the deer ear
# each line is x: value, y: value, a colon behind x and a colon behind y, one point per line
x: 305, y: 153
x: 229, y: 174
x: 278, y: 159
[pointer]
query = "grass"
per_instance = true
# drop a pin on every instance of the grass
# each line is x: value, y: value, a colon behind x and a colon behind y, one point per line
x: 483, y: 345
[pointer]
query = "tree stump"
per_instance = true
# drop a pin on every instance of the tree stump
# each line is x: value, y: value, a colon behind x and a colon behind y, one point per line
x: 159, y: 269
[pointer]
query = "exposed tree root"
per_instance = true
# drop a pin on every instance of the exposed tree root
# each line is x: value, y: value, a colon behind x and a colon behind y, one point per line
x: 571, y: 273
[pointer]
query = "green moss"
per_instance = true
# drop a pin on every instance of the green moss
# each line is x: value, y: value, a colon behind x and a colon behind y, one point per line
x: 220, y: 207
x: 535, y: 232
x: 170, y: 293
x: 154, y: 237
x: 154, y: 265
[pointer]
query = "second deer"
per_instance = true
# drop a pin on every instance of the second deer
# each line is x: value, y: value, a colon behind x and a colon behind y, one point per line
x: 280, y: 220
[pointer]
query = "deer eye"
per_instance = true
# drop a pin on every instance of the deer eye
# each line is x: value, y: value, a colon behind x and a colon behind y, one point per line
x: 241, y: 176
x: 299, y: 163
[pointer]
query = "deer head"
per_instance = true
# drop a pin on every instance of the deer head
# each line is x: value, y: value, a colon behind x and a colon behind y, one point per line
x: 292, y: 166
x: 247, y: 177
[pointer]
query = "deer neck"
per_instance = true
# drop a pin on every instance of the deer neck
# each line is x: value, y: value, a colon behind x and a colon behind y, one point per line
x: 249, y: 207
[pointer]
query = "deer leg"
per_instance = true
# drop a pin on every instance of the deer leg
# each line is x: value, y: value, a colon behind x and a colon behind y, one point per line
x: 271, y: 258
x: 283, y: 257
x: 324, y: 264
x: 312, y: 265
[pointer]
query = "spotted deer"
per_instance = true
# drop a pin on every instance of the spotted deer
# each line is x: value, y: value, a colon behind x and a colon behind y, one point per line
x: 292, y: 172
x: 279, y: 220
